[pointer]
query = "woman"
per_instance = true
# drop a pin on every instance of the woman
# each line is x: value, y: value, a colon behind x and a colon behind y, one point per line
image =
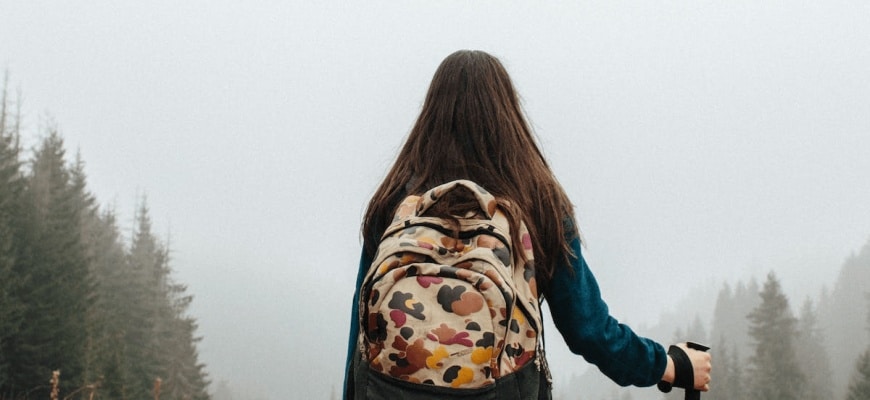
x: 472, y: 127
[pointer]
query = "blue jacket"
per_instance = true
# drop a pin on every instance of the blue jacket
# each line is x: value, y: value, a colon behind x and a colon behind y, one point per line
x: 583, y: 319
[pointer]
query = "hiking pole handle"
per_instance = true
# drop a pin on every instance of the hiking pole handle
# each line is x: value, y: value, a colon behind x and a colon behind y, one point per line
x: 692, y: 393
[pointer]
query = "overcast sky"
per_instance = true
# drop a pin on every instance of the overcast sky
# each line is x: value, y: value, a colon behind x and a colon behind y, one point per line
x: 700, y: 141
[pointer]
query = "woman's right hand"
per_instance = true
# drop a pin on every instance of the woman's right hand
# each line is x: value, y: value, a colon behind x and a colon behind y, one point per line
x: 684, y: 361
x: 701, y: 366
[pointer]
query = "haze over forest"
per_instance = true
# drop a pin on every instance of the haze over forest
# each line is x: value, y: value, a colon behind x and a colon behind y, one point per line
x: 704, y: 146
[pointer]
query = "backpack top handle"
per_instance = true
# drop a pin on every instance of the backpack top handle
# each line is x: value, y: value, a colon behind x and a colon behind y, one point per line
x: 487, y: 202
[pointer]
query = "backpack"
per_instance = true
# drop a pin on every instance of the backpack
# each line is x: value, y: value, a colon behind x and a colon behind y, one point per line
x: 445, y: 307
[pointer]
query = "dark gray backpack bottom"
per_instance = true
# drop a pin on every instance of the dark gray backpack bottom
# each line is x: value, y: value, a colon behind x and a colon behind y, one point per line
x: 525, y: 384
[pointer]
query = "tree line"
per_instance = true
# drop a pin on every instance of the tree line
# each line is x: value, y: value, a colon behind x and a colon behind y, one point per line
x: 764, y: 350
x: 76, y: 297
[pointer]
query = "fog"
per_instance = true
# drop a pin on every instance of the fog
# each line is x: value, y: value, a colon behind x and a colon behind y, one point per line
x: 701, y: 143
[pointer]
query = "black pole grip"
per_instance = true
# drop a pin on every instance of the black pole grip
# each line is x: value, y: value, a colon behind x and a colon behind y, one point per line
x: 691, y: 392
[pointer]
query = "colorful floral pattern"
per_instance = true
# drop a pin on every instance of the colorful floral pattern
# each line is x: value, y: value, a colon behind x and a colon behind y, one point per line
x: 448, y: 312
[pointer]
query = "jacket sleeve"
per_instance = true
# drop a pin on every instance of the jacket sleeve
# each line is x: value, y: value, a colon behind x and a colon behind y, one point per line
x: 354, y: 327
x: 583, y: 319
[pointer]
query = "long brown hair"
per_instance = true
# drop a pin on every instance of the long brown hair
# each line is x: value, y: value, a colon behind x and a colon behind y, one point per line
x: 472, y: 127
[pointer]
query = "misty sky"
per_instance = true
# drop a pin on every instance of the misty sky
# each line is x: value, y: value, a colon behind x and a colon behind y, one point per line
x: 700, y: 141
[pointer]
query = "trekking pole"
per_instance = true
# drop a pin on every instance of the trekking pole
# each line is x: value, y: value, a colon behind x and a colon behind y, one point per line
x: 692, y: 393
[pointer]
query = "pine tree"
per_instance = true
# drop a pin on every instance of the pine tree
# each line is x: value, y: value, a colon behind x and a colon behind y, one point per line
x: 736, y: 383
x: 812, y: 356
x: 746, y: 298
x: 11, y: 187
x: 775, y: 374
x: 859, y: 388
x: 106, y: 329
x: 722, y: 311
x: 56, y: 288
x: 728, y: 383
x: 90, y: 230
x: 171, y: 332
x: 844, y: 335
x: 729, y: 315
x: 730, y: 335
x: 147, y: 303
x: 186, y: 377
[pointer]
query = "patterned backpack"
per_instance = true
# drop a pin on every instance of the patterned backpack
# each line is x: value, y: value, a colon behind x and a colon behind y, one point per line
x: 450, y: 311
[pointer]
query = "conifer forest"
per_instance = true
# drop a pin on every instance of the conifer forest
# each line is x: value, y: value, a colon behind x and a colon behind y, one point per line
x: 84, y: 312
